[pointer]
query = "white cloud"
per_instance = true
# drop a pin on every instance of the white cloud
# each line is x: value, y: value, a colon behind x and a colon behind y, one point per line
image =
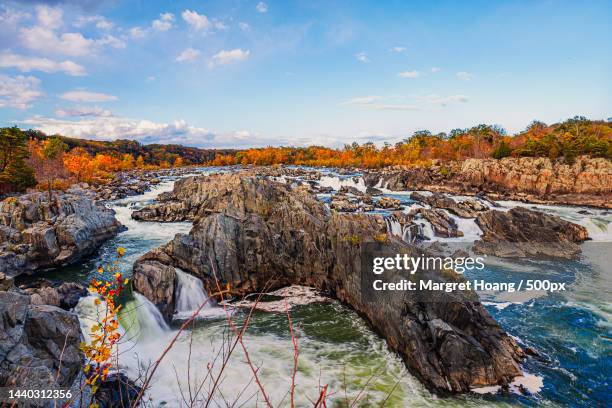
x: 434, y: 70
x: 87, y: 96
x: 444, y: 100
x: 362, y: 57
x: 42, y: 39
x: 49, y: 17
x: 244, y: 26
x: 151, y: 78
x: 465, y: 76
x: 12, y: 17
x: 398, y: 49
x: 19, y: 92
x: 112, y: 41
x: 409, y: 74
x: 164, y: 22
x: 147, y: 131
x: 137, y: 32
x: 228, y: 56
x: 197, y: 21
x: 188, y: 54
x: 99, y: 21
x: 27, y: 64
x: 83, y: 111
x: 261, y: 7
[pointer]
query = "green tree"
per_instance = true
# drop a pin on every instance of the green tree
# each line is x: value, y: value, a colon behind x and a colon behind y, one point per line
x: 15, y: 175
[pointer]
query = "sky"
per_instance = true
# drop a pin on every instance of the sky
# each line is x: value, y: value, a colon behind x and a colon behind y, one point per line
x: 236, y: 73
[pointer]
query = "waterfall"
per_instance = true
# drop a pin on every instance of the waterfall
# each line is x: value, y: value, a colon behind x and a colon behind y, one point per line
x: 150, y: 321
x: 190, y: 294
x: 336, y: 182
x: 399, y: 230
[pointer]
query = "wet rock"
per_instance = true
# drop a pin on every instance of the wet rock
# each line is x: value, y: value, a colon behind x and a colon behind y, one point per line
x: 39, y: 344
x: 61, y: 294
x: 521, y: 232
x: 442, y: 225
x: 259, y: 234
x: 117, y: 391
x: 389, y: 203
x: 465, y: 209
x: 42, y: 234
x: 351, y: 190
x: 156, y: 282
x: 373, y: 191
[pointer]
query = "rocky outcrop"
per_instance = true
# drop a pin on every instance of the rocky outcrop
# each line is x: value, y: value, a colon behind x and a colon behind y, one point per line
x: 39, y: 344
x: 37, y: 234
x: 465, y: 209
x: 521, y: 232
x: 155, y: 281
x: 441, y: 223
x: 261, y: 235
x: 588, y: 181
x: 65, y: 295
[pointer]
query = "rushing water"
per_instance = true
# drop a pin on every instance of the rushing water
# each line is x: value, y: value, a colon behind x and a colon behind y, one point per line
x: 571, y: 330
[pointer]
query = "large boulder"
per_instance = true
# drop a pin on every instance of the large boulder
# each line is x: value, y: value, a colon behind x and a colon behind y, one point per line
x: 260, y: 235
x: 36, y: 233
x: 39, y: 344
x: 521, y: 232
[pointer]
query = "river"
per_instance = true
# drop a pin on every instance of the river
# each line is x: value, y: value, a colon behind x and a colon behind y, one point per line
x: 570, y: 330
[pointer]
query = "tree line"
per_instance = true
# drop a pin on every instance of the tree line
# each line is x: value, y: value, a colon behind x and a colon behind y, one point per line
x: 30, y: 158
x: 564, y: 141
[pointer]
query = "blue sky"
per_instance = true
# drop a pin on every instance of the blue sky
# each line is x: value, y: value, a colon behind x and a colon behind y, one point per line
x: 255, y: 73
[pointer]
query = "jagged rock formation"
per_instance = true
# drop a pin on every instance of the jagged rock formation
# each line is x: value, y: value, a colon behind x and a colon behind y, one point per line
x: 465, y: 209
x: 39, y: 344
x: 37, y: 234
x: 442, y: 225
x: 521, y: 232
x: 264, y: 235
x: 588, y: 181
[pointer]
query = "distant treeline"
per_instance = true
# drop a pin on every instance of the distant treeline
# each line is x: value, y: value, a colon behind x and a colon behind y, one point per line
x: 29, y: 158
x: 564, y: 141
x: 153, y: 154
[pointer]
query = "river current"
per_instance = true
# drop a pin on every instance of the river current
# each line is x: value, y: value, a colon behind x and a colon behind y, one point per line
x: 571, y: 330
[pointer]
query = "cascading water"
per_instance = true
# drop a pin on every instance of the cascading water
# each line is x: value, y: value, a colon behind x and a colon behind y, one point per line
x: 149, y: 321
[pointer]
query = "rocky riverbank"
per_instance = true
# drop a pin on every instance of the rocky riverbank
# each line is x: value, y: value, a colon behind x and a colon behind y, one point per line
x: 38, y: 233
x: 263, y: 235
x: 588, y: 181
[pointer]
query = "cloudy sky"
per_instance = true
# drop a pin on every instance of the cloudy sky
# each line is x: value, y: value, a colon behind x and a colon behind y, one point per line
x: 252, y: 73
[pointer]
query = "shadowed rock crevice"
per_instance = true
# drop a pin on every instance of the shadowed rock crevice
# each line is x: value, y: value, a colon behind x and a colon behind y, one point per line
x: 259, y: 233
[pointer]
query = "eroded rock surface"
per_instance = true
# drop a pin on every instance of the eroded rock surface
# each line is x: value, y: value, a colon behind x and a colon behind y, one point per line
x: 39, y: 344
x: 521, y: 232
x: 262, y: 235
x: 37, y: 234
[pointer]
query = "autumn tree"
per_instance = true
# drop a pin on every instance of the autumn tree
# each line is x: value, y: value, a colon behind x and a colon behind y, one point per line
x: 14, y: 172
x: 47, y: 160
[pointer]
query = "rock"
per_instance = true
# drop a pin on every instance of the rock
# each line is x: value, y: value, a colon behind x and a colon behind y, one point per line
x: 260, y: 234
x: 465, y: 209
x: 117, y: 391
x: 46, y: 235
x: 373, y: 191
x: 588, y: 181
x: 38, y: 343
x: 441, y: 223
x: 389, y: 203
x: 6, y: 282
x: 521, y: 232
x: 351, y: 190
x: 156, y: 282
x: 61, y: 294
